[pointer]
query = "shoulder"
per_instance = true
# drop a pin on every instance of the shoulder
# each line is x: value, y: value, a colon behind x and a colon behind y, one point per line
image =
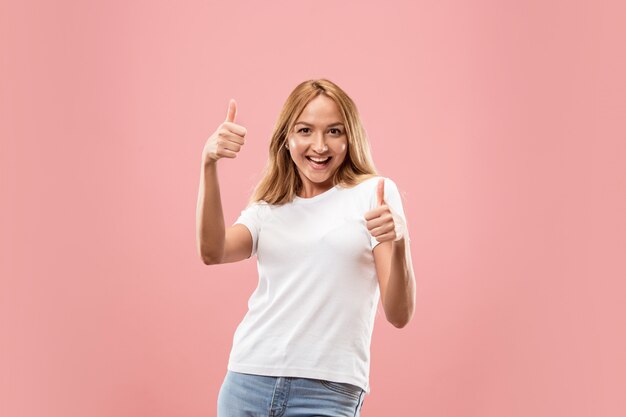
x: 367, y: 190
x: 257, y: 207
x: 372, y: 183
x: 392, y: 194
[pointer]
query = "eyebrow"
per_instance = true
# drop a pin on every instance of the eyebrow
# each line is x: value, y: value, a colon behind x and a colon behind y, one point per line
x: 330, y: 125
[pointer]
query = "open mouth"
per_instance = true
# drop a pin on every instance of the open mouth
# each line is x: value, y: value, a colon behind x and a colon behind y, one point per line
x: 319, y: 162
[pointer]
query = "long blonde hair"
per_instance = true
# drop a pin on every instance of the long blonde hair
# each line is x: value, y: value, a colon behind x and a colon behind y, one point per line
x: 280, y: 182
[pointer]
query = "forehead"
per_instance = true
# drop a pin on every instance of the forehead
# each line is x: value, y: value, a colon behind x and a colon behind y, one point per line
x: 321, y: 109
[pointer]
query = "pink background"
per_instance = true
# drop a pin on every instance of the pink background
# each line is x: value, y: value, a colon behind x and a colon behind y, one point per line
x: 503, y: 124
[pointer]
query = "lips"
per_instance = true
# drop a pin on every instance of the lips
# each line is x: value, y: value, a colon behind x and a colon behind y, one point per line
x: 318, y: 163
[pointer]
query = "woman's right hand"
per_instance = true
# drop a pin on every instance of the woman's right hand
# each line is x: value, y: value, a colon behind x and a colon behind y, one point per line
x: 227, y: 139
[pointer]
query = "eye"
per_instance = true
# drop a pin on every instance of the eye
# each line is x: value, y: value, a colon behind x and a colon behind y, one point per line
x: 336, y: 131
x: 303, y: 128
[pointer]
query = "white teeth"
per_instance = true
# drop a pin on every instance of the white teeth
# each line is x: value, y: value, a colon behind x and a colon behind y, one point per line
x: 319, y: 159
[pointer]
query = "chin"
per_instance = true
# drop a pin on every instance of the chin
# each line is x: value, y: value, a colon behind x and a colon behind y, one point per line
x: 321, y: 179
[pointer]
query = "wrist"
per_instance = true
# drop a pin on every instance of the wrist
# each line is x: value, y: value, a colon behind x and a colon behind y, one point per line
x: 208, y: 162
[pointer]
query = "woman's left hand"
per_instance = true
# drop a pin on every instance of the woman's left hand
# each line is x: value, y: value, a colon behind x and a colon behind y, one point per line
x: 382, y: 222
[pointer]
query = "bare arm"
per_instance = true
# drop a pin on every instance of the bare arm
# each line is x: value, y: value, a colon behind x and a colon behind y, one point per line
x: 215, y: 243
x: 392, y: 256
x: 209, y: 216
x: 396, y: 279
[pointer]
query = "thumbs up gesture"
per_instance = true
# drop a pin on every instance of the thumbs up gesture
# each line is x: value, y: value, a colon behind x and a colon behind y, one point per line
x: 227, y: 140
x: 382, y: 222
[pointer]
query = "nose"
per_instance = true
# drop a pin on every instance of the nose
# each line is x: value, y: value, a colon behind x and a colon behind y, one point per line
x: 319, y: 143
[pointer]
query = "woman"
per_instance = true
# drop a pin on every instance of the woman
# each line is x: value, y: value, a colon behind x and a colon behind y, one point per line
x: 330, y: 238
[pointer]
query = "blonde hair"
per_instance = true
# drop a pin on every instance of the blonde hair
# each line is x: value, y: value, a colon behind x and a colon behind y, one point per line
x: 281, y: 182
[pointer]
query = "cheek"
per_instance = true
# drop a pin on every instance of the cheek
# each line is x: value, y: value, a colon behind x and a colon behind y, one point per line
x: 341, y: 149
x: 292, y: 143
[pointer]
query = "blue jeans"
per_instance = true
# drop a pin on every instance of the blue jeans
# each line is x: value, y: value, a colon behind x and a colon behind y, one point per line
x: 247, y: 395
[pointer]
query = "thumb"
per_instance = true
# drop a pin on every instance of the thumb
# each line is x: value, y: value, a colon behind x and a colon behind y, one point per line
x: 232, y: 110
x: 380, y: 192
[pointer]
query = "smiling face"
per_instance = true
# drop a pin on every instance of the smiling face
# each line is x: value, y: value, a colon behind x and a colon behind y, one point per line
x: 318, y: 134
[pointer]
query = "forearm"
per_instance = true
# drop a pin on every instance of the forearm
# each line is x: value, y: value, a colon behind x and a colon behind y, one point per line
x: 210, y: 231
x: 400, y: 294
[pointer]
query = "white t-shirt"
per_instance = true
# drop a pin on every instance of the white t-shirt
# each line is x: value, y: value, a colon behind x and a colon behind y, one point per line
x: 312, y: 313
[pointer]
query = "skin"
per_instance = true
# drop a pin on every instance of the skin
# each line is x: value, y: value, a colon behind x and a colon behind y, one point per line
x: 318, y: 132
x: 392, y: 257
x: 217, y: 244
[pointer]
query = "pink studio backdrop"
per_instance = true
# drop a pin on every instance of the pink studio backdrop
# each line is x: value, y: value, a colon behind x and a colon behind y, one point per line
x: 501, y: 122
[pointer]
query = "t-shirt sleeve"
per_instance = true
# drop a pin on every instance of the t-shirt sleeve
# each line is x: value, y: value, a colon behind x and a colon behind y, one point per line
x: 392, y: 199
x: 251, y: 218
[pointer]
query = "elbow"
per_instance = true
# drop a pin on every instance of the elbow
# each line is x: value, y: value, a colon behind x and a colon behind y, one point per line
x: 400, y: 322
x: 209, y: 259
